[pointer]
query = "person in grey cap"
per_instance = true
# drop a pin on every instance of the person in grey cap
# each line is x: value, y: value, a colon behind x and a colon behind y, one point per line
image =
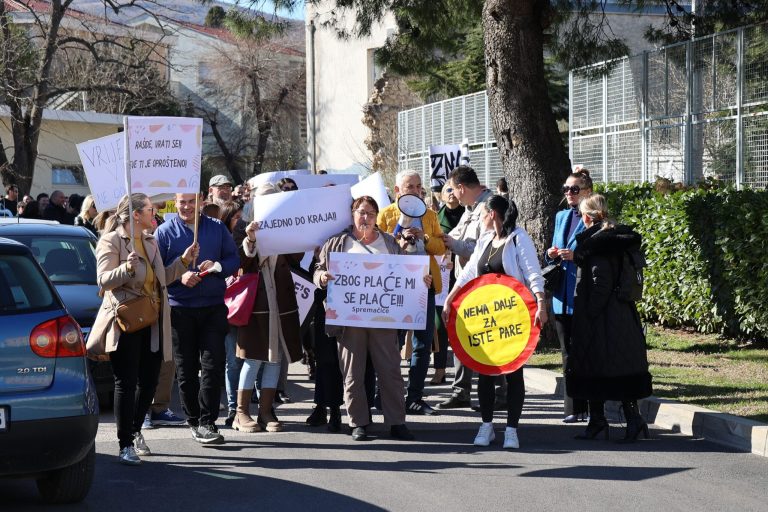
x: 220, y: 189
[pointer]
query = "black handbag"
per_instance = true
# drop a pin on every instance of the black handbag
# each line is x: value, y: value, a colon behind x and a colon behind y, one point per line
x: 553, y: 277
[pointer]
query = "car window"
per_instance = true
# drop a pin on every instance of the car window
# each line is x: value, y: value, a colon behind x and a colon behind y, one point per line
x: 22, y: 287
x: 66, y: 260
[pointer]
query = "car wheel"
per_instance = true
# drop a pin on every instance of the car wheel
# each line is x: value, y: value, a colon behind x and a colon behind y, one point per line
x: 70, y: 484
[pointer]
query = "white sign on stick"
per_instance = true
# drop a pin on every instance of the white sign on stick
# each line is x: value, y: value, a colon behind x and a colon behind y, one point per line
x: 300, y: 221
x: 103, y: 163
x: 274, y: 177
x: 372, y: 186
x: 324, y: 180
x: 382, y: 291
x: 165, y: 154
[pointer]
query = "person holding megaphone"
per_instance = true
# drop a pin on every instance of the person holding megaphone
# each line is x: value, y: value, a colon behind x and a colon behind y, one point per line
x: 417, y: 229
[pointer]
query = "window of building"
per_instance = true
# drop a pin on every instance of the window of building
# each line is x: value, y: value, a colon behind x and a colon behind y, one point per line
x: 67, y: 175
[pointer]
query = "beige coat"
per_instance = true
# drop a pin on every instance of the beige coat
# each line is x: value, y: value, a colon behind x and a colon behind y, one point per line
x: 117, y: 285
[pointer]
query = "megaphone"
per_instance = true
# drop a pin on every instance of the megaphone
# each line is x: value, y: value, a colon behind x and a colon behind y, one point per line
x: 411, y: 207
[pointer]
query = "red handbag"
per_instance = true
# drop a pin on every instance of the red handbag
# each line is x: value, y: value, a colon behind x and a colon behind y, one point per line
x: 239, y: 298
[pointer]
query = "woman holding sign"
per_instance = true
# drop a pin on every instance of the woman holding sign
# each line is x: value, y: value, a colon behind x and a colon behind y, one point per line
x: 129, y: 268
x: 355, y: 343
x: 507, y: 249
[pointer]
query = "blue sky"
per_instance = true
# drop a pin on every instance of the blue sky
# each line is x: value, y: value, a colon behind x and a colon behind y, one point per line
x: 268, y: 6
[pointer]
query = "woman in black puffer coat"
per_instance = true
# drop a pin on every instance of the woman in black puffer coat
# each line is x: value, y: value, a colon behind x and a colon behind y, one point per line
x: 609, y: 359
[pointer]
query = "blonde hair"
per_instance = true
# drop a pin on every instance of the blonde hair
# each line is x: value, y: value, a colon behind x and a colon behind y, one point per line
x: 87, y: 203
x: 596, y: 208
x: 122, y: 214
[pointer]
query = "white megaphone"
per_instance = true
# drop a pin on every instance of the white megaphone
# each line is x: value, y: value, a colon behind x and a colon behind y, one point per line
x: 411, y: 207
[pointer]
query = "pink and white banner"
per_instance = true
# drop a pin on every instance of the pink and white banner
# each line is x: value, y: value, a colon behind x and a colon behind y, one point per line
x: 382, y: 291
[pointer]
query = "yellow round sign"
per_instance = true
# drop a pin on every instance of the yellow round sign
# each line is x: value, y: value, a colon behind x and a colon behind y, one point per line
x: 491, y: 326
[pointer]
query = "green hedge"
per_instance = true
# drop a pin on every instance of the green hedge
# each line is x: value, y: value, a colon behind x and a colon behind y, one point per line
x: 707, y: 258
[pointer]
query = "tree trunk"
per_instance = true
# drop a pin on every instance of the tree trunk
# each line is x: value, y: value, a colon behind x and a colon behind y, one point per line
x: 532, y: 153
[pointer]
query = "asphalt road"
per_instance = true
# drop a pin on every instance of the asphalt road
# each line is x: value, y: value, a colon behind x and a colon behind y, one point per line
x: 311, y: 469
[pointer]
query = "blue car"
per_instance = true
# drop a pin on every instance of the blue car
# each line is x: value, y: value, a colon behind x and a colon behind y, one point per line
x: 48, y: 404
x: 68, y: 256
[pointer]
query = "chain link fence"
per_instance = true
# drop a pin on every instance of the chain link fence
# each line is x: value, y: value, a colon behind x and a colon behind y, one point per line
x: 685, y: 112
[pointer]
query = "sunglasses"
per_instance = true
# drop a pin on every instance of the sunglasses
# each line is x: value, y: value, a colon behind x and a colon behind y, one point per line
x: 573, y: 189
x: 289, y: 188
x: 449, y: 190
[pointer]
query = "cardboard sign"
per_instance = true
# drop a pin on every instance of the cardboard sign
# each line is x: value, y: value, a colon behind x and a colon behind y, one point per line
x: 491, y: 324
x: 445, y: 274
x: 301, y: 220
x: 305, y: 294
x: 164, y: 154
x: 104, y: 166
x: 385, y: 291
x: 372, y: 186
x: 443, y: 160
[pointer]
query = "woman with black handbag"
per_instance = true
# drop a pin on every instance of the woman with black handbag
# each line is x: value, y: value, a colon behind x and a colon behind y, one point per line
x: 130, y: 273
x: 568, y: 224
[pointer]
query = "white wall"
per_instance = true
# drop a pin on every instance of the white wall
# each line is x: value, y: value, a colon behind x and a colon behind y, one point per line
x: 343, y: 84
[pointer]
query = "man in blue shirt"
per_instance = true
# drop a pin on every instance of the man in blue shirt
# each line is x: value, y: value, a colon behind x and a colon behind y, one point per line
x: 198, y: 314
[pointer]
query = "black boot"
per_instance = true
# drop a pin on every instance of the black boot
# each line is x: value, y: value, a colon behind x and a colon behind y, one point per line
x: 318, y: 417
x: 334, y: 423
x: 594, y: 427
x: 635, y: 422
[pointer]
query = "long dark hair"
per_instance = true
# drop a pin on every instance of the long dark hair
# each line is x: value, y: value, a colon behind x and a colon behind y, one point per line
x: 505, y: 209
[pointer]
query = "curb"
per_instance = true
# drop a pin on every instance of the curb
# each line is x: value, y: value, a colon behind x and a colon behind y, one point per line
x: 721, y: 428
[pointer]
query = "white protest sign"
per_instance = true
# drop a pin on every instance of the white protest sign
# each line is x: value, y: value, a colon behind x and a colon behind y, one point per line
x: 300, y: 221
x: 305, y: 295
x: 324, y: 180
x: 372, y: 186
x: 445, y: 273
x: 443, y: 160
x: 165, y: 154
x: 382, y: 291
x: 274, y: 177
x: 103, y: 163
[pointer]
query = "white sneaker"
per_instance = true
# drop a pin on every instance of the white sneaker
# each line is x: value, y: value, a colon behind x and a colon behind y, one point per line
x: 141, y: 445
x: 485, y: 435
x: 128, y: 456
x: 510, y: 439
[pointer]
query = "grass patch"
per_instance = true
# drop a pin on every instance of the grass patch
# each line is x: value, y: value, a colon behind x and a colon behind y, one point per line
x: 725, y: 375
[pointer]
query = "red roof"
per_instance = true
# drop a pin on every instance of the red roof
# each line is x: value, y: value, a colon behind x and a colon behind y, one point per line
x: 226, y: 35
x: 43, y: 7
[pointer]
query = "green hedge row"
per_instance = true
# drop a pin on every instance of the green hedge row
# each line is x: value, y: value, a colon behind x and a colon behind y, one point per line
x: 707, y: 252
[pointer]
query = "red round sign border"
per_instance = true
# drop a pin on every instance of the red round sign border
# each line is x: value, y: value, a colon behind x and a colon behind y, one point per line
x: 533, y: 338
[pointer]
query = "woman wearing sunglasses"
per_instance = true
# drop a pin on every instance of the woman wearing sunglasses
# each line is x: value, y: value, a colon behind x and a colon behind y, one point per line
x: 568, y: 224
x: 503, y: 248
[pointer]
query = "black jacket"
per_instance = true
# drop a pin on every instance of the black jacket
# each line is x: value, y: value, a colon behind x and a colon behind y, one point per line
x: 608, y: 359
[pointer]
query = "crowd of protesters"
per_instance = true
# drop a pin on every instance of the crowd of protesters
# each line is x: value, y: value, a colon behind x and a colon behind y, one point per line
x: 468, y: 227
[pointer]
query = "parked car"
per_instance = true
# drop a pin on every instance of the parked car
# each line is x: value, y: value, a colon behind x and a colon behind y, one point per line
x: 68, y: 256
x: 48, y: 404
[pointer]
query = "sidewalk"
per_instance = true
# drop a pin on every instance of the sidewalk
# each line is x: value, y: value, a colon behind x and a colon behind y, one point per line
x: 718, y: 427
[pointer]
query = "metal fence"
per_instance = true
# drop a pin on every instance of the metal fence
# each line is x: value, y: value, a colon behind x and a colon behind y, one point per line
x: 449, y: 122
x: 685, y: 112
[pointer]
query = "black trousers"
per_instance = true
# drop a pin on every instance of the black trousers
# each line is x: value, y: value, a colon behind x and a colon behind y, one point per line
x: 136, y: 369
x: 198, y: 346
x: 515, y: 396
x: 563, y: 328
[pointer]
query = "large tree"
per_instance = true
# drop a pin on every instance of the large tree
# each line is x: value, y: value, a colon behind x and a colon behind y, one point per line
x: 431, y: 33
x: 43, y: 59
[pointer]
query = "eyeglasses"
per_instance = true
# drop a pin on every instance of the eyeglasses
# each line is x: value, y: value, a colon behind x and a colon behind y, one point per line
x: 226, y: 186
x: 289, y: 188
x: 153, y: 209
x: 573, y: 189
x: 363, y: 213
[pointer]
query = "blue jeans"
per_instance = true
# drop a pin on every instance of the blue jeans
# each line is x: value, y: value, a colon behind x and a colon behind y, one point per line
x: 270, y: 374
x: 232, y: 371
x: 422, y: 348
